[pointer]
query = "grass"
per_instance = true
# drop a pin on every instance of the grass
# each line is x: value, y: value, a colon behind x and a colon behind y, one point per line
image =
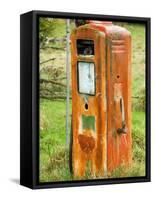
x: 53, y: 151
x: 54, y: 157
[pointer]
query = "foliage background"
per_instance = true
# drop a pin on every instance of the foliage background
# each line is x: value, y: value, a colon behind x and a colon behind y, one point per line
x: 53, y: 150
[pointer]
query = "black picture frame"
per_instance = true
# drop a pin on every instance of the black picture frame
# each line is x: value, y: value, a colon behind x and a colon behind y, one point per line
x: 29, y: 99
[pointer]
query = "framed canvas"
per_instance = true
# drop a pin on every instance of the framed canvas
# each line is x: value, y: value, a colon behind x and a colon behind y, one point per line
x: 85, y: 99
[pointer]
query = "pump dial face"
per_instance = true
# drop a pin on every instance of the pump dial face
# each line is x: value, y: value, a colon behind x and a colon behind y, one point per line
x: 86, y: 78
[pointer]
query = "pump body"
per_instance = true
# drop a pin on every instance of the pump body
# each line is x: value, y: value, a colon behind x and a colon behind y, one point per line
x: 101, y: 98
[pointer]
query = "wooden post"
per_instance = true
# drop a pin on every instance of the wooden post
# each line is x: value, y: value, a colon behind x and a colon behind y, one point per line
x: 67, y: 77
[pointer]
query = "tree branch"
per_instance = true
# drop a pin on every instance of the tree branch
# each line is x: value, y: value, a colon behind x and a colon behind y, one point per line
x: 52, y: 47
x: 53, y: 82
x: 47, y: 61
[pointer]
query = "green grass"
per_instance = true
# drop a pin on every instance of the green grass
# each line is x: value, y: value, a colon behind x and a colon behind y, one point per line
x: 54, y: 157
x: 53, y: 151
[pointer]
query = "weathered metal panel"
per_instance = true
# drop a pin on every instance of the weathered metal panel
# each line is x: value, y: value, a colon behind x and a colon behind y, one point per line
x: 109, y: 144
x: 89, y: 134
x: 119, y: 98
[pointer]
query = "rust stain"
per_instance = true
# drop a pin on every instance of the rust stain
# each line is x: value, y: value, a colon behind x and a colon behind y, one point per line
x: 87, y: 143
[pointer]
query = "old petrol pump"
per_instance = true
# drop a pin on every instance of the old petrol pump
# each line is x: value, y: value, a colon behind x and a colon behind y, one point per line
x: 101, y: 97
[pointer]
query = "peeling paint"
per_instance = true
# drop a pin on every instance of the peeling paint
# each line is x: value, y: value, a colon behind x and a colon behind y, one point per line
x: 88, y: 122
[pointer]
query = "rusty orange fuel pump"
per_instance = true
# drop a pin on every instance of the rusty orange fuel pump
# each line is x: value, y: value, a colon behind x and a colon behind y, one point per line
x: 101, y: 98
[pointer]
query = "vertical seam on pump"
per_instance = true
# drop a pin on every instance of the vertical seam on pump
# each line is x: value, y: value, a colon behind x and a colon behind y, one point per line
x: 106, y: 45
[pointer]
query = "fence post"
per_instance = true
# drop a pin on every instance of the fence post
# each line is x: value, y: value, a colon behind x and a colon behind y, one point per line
x: 67, y: 77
